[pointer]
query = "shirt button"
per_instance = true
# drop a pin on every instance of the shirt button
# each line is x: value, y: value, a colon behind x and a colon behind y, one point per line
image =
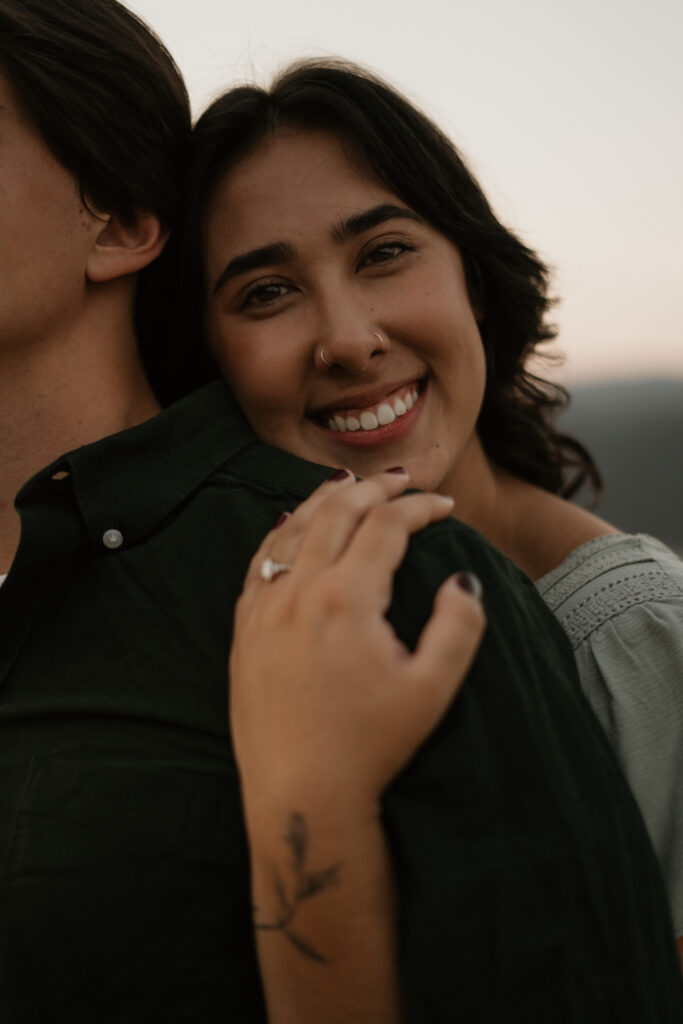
x: 112, y: 539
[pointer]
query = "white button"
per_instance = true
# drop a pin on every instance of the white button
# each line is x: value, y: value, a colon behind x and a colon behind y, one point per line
x: 112, y: 539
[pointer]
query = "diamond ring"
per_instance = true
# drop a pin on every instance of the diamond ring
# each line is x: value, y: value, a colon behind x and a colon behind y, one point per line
x: 271, y: 569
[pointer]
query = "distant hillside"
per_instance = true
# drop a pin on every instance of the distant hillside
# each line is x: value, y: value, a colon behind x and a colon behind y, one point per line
x: 634, y: 429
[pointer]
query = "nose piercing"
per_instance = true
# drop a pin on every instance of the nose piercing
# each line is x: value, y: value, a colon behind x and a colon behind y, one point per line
x: 383, y: 345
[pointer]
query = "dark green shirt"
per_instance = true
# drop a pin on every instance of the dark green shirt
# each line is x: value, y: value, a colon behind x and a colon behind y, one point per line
x: 529, y: 891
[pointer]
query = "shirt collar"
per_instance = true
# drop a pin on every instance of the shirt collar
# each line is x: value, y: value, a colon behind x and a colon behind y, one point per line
x: 132, y: 480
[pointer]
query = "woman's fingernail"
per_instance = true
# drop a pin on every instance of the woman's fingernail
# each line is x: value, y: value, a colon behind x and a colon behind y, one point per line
x: 395, y: 469
x: 282, y: 518
x: 340, y: 474
x: 470, y: 583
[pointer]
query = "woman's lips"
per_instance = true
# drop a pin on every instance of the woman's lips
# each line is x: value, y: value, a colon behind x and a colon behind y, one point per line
x: 376, y: 424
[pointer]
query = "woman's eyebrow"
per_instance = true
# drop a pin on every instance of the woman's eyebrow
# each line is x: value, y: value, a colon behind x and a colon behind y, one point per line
x: 355, y: 225
x: 276, y: 252
x: 279, y: 252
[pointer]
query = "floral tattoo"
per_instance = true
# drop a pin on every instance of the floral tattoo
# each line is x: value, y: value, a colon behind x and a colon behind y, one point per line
x: 305, y: 884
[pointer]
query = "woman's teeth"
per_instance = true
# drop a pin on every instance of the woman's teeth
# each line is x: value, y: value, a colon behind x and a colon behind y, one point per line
x: 379, y: 416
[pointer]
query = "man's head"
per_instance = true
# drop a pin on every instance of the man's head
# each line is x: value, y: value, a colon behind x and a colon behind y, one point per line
x: 105, y: 96
x: 94, y: 125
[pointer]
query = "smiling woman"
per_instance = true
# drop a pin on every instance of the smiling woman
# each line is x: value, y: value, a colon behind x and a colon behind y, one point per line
x: 369, y: 309
x: 408, y: 165
x: 334, y: 307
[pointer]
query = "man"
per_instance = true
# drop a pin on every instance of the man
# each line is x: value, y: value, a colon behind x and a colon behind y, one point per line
x: 94, y: 119
x: 124, y: 889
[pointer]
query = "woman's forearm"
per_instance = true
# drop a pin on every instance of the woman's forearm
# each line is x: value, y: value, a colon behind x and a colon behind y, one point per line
x: 324, y: 915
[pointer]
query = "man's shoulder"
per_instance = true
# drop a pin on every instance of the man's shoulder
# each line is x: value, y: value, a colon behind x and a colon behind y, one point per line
x: 451, y: 545
x: 518, y: 618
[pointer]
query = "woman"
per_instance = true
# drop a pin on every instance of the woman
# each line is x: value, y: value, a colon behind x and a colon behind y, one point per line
x: 367, y: 307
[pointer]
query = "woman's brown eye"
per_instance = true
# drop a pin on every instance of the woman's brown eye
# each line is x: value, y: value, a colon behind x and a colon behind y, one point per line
x: 386, y: 251
x: 263, y: 294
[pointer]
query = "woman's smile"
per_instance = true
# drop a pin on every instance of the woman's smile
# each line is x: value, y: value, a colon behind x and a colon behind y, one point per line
x: 341, y: 318
x: 369, y: 414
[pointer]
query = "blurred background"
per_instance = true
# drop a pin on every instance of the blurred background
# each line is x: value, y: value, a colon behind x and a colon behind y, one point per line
x: 570, y: 116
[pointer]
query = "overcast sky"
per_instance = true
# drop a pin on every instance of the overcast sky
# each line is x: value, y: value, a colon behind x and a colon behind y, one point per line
x: 570, y: 113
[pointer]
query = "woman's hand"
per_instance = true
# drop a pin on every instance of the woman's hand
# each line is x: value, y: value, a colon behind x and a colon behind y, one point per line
x: 326, y: 706
x: 324, y: 697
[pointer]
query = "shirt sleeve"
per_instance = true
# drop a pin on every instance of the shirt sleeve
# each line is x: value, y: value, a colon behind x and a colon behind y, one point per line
x: 631, y: 668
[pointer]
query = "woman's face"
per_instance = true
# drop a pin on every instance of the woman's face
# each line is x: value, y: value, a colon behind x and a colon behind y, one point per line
x: 309, y: 258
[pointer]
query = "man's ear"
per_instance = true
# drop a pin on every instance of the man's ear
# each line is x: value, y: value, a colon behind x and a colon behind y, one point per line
x: 123, y: 248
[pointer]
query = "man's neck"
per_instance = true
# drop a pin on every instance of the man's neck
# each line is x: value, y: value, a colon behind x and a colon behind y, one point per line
x: 61, y: 393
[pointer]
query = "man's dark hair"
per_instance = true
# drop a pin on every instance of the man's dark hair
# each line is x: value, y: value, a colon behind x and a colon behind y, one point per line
x: 411, y: 156
x: 105, y: 96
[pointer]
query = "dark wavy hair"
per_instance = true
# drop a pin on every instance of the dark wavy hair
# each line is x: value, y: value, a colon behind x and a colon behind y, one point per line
x: 106, y: 97
x: 415, y: 160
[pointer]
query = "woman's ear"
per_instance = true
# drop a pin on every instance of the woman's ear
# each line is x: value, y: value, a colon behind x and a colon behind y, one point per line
x: 124, y: 247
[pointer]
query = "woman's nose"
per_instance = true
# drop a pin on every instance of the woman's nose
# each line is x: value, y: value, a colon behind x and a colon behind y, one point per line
x: 350, y: 350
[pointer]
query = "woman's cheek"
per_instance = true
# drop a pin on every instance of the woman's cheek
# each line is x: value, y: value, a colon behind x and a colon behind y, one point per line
x: 261, y: 378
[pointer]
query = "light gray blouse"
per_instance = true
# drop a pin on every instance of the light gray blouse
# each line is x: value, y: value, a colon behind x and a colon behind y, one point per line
x: 620, y: 600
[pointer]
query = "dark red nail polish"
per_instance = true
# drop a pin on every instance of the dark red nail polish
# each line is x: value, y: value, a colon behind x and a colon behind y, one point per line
x: 340, y: 474
x: 282, y: 518
x: 470, y: 583
x: 395, y: 469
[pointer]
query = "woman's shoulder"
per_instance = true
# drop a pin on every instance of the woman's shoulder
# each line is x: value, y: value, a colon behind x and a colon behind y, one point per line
x: 619, y: 599
x: 610, y: 574
x: 613, y: 549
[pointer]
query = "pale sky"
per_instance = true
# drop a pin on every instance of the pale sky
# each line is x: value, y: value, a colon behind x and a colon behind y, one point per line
x: 570, y: 114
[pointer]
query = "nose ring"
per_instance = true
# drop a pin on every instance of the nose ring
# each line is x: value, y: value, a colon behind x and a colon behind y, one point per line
x: 383, y: 345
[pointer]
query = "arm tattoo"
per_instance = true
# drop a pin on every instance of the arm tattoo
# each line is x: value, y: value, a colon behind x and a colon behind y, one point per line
x: 305, y: 884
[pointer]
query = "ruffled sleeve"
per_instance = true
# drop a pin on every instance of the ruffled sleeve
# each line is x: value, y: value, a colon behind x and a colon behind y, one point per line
x: 620, y: 599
